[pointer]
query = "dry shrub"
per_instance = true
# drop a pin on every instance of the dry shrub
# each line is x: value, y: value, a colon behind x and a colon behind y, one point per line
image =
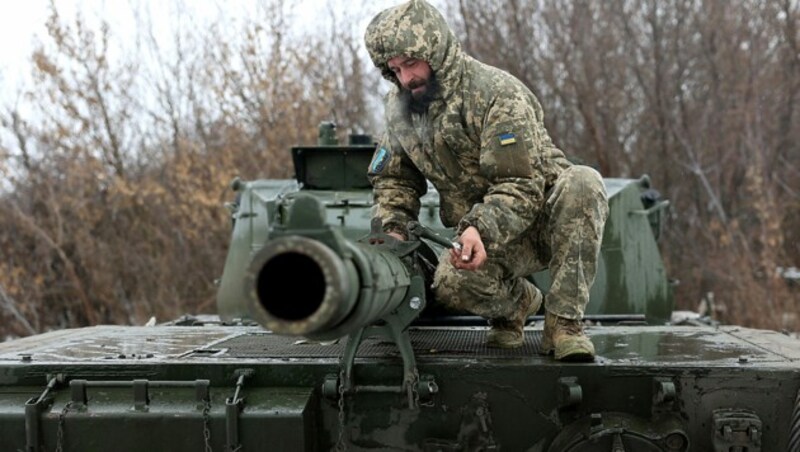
x: 115, y: 211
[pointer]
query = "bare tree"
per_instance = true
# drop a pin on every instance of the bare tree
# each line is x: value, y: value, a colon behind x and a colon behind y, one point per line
x: 701, y: 95
x: 116, y: 213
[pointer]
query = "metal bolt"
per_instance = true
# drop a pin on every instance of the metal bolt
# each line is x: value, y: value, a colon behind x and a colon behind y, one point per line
x: 26, y: 357
x: 743, y: 360
x: 415, y: 303
x: 675, y: 441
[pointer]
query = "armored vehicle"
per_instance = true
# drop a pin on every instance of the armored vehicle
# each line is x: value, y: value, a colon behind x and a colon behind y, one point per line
x: 327, y: 338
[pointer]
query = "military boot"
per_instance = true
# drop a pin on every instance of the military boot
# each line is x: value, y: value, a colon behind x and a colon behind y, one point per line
x: 565, y: 339
x: 509, y: 333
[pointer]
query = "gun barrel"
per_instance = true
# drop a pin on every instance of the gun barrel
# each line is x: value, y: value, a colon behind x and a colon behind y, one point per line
x: 300, y: 286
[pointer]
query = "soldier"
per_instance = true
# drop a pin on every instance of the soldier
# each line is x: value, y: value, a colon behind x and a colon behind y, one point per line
x: 516, y: 203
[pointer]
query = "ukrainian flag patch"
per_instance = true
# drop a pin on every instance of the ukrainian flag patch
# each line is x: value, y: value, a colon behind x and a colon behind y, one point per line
x: 507, y: 138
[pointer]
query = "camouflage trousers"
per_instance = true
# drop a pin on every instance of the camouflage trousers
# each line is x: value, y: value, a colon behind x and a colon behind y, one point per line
x: 565, y: 238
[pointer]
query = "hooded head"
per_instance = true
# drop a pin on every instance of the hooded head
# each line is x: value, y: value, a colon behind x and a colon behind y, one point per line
x: 417, y: 30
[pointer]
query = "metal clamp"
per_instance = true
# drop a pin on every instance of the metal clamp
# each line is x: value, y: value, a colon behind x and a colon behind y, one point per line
x: 233, y: 407
x: 33, y: 411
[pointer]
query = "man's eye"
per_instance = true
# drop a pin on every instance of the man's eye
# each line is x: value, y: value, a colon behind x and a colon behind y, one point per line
x: 411, y: 63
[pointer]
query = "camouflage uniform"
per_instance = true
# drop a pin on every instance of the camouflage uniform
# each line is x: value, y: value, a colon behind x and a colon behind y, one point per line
x: 483, y: 145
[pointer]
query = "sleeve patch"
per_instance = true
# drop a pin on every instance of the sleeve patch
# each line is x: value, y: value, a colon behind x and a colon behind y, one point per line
x: 507, y: 138
x: 380, y: 160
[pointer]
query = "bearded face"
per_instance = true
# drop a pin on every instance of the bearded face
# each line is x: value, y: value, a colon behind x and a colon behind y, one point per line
x: 418, y: 100
x: 417, y: 82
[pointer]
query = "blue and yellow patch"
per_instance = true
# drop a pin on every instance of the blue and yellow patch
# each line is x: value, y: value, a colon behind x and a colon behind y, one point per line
x: 379, y: 161
x: 507, y: 138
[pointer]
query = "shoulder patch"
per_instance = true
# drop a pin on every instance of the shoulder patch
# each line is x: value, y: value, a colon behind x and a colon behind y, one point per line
x: 380, y: 160
x: 507, y: 138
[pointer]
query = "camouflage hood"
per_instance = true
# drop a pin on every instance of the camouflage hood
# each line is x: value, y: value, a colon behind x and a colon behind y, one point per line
x: 418, y: 30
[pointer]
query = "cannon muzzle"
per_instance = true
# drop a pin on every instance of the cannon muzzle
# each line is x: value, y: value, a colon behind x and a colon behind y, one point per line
x: 314, y: 283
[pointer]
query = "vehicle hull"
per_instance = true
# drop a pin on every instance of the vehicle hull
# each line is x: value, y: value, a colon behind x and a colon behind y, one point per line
x: 650, y: 388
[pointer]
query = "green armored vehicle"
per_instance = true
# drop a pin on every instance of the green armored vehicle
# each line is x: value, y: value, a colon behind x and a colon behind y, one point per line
x: 328, y: 338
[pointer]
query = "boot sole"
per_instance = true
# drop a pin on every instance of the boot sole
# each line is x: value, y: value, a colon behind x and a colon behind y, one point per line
x: 575, y: 357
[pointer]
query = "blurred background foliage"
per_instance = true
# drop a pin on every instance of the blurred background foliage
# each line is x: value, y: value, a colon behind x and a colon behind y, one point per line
x: 115, y: 165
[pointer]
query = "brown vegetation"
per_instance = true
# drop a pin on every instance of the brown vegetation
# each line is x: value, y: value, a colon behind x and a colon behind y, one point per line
x: 114, y: 198
x: 703, y: 97
x: 115, y: 180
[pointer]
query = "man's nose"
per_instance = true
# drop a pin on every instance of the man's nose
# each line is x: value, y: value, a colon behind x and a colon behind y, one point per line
x: 404, y: 77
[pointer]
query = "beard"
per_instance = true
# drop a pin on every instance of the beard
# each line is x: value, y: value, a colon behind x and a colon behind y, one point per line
x: 418, y: 103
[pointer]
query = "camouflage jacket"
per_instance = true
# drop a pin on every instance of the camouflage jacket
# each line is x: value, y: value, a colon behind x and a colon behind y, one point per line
x: 482, y: 142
